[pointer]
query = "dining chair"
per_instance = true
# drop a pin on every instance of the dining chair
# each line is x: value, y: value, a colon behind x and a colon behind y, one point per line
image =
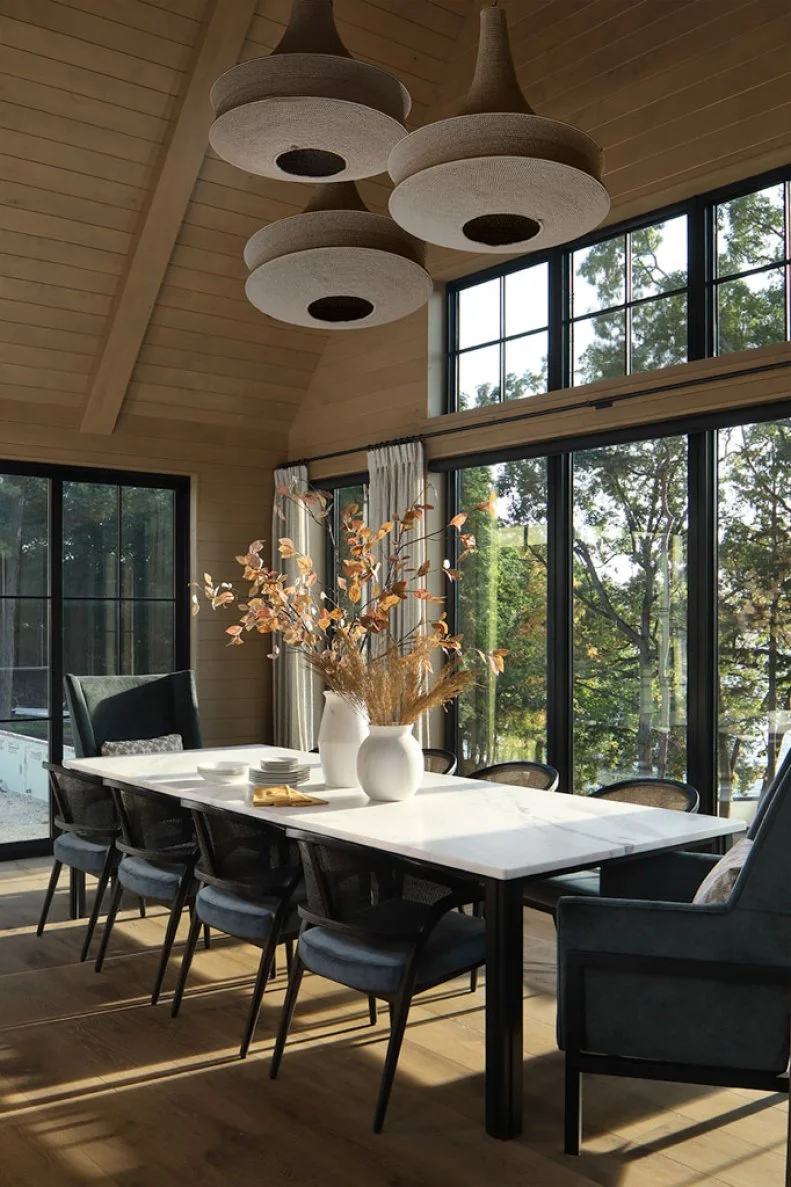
x: 521, y: 774
x: 250, y: 881
x: 439, y: 762
x: 158, y: 851
x: 382, y: 926
x: 131, y: 708
x: 692, y: 992
x: 542, y: 894
x: 87, y: 824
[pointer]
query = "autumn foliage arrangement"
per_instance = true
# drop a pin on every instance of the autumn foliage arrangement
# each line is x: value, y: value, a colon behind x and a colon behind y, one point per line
x: 347, y: 633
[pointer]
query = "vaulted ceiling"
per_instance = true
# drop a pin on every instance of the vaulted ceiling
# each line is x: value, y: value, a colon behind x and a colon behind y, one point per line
x: 121, y: 234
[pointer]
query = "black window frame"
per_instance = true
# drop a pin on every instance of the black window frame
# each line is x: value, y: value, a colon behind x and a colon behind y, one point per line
x: 701, y: 289
x: 57, y: 475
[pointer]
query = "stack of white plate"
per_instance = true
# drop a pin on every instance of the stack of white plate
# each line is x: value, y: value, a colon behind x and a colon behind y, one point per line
x: 276, y: 772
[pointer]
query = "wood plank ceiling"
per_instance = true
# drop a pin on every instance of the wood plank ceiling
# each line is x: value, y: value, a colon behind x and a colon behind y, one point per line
x: 677, y: 91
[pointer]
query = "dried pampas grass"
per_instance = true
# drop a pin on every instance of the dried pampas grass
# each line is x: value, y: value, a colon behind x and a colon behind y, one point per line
x: 391, y: 687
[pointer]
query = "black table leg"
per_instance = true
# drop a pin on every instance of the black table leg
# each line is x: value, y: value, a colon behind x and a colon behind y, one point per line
x: 504, y: 993
x: 76, y: 894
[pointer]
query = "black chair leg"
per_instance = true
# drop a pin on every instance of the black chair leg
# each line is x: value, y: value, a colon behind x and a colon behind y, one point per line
x: 206, y: 936
x: 572, y: 1125
x: 115, y: 903
x: 476, y: 912
x: 373, y: 1013
x: 267, y: 960
x: 170, y: 935
x: 399, y: 1012
x: 101, y: 886
x: 57, y: 866
x: 289, y: 956
x: 186, y: 963
x: 141, y: 906
x: 294, y: 982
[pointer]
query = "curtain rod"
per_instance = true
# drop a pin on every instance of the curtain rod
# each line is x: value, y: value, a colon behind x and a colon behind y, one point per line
x: 600, y: 402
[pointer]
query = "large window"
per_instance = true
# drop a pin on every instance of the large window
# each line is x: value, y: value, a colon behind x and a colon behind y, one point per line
x: 502, y: 603
x: 754, y: 728
x: 93, y: 580
x: 607, y: 572
x: 709, y: 276
x: 629, y: 611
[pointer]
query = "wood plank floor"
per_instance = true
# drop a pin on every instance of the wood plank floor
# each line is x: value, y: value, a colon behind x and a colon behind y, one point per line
x: 96, y: 1086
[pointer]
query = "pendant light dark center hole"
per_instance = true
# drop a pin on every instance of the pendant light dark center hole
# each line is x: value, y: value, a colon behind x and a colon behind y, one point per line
x: 500, y: 230
x: 340, y: 309
x: 310, y: 162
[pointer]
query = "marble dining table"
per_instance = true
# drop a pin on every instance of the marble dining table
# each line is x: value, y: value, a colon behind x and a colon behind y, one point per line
x: 498, y: 833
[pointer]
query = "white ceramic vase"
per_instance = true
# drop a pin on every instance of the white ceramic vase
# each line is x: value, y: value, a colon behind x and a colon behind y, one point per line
x: 341, y: 731
x: 390, y: 763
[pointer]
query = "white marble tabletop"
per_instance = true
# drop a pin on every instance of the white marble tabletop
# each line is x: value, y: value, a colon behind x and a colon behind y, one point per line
x: 492, y: 830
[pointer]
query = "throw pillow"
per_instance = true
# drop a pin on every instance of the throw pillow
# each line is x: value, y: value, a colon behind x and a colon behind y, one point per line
x: 719, y: 882
x: 167, y: 744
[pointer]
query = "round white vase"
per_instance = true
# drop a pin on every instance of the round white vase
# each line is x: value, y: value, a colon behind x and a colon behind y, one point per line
x: 390, y: 763
x: 342, y: 730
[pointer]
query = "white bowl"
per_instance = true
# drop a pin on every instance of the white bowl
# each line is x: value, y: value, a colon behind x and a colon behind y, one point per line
x: 222, y: 772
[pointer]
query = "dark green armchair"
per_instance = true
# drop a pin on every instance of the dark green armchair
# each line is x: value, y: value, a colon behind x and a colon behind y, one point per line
x: 672, y: 990
x: 125, y: 708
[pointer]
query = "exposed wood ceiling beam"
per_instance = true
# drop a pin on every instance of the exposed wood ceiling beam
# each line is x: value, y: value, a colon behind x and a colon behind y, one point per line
x: 223, y: 38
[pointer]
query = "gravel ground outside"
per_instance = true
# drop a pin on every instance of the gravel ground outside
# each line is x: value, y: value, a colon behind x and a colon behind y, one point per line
x: 22, y: 818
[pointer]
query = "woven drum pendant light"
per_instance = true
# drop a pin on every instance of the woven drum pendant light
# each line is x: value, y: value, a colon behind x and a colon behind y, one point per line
x: 337, y: 266
x: 309, y: 111
x: 497, y: 177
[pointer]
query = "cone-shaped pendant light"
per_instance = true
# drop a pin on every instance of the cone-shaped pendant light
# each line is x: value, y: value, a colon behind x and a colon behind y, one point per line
x: 336, y: 266
x: 496, y: 177
x: 309, y: 111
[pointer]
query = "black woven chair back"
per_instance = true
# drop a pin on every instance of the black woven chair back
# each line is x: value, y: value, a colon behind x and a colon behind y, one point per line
x: 242, y: 856
x: 154, y: 824
x: 355, y: 887
x: 439, y: 762
x: 652, y: 793
x: 82, y: 802
x: 521, y: 774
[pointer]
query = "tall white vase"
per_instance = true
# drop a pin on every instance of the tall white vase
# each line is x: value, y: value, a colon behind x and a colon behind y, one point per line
x: 390, y: 763
x: 341, y: 731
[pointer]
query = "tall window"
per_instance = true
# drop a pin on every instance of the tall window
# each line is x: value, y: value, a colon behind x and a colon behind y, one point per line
x: 629, y: 612
x: 502, y: 338
x: 502, y: 603
x: 93, y: 580
x: 754, y: 610
x: 628, y: 300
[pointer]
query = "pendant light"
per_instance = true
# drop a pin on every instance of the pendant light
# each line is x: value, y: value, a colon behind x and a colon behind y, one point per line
x: 336, y: 266
x: 308, y: 111
x: 497, y: 177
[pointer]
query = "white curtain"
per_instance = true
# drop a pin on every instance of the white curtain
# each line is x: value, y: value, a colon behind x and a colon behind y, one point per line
x: 293, y: 683
x: 397, y: 479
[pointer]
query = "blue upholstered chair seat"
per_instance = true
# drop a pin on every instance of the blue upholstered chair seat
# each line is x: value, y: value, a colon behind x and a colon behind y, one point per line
x: 75, y: 851
x: 456, y: 943
x: 243, y: 918
x: 545, y: 892
x: 146, y: 880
